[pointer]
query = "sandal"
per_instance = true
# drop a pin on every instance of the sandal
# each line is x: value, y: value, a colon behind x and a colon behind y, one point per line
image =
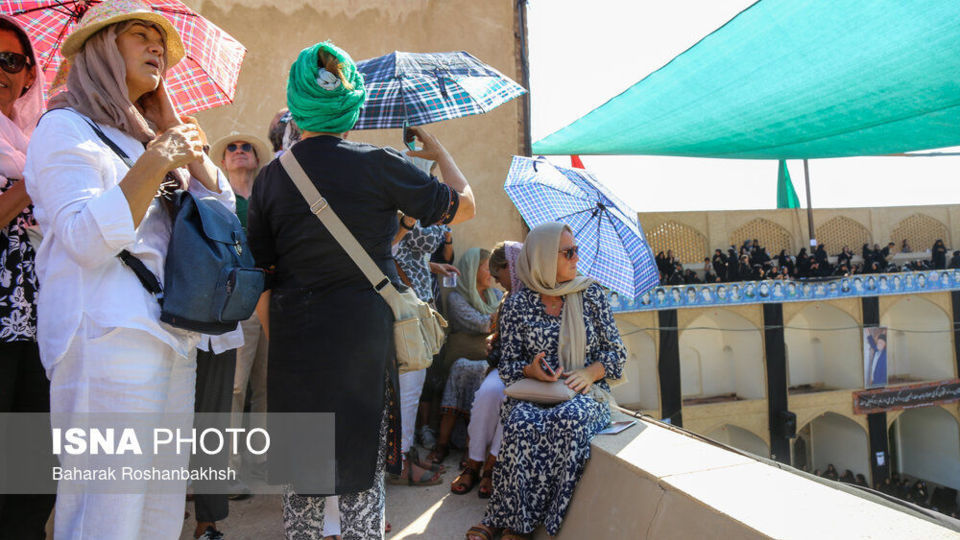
x: 439, y: 453
x: 465, y: 481
x: 481, y: 532
x: 486, y: 484
x: 414, y: 457
x: 426, y: 478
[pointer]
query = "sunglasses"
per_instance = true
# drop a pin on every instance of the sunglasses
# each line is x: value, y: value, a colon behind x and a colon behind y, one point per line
x: 570, y: 252
x: 246, y: 147
x: 12, y: 62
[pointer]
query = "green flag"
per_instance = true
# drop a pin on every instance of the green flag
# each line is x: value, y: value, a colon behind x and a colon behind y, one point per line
x: 786, y: 195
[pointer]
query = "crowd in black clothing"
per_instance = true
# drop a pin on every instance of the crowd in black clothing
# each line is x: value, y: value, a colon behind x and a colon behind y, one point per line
x: 902, y: 487
x: 753, y: 263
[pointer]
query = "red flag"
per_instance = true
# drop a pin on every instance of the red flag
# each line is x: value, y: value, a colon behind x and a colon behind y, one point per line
x: 575, y: 162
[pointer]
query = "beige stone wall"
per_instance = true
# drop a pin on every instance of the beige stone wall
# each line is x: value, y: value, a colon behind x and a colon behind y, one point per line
x: 274, y: 32
x: 881, y: 226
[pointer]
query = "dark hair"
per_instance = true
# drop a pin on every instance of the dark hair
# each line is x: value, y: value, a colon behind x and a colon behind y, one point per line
x: 21, y: 36
x: 277, y: 127
x: 498, y: 257
x: 333, y: 65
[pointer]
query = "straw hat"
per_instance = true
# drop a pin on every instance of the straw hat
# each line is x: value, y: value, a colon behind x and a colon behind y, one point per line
x: 113, y: 11
x: 264, y: 150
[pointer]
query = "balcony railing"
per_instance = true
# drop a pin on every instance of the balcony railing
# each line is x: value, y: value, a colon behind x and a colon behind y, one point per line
x: 777, y: 291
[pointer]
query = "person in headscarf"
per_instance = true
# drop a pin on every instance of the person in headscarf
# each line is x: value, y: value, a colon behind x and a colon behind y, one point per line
x: 485, y: 432
x: 559, y: 325
x: 100, y: 336
x: 470, y: 309
x: 24, y: 386
x: 331, y: 334
x: 411, y: 248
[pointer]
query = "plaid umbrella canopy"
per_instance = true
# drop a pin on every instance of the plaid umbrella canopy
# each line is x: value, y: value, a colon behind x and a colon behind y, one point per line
x: 422, y: 88
x: 205, y: 78
x: 613, y: 250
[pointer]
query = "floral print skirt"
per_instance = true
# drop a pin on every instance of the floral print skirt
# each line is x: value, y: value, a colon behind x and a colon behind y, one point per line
x: 543, y: 455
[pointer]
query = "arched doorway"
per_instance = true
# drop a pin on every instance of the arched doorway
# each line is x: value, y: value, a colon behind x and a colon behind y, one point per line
x: 834, y: 439
x: 723, y: 352
x: 824, y: 344
x: 925, y: 443
x: 919, y: 348
x: 740, y: 438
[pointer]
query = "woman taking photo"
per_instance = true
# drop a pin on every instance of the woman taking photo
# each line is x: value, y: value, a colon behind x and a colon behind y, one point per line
x: 23, y: 385
x: 331, y: 333
x: 559, y: 326
x: 101, y: 339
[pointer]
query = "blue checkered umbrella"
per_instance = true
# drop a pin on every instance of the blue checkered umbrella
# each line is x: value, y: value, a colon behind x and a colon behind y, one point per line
x: 613, y: 249
x: 422, y: 88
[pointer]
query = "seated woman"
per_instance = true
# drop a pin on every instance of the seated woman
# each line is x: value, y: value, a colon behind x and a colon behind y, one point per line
x: 559, y: 326
x: 485, y: 432
x: 469, y: 309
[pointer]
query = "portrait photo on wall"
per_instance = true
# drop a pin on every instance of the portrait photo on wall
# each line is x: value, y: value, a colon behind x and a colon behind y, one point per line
x: 875, y: 357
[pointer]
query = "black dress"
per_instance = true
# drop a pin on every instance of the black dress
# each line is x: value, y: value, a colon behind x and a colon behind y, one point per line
x: 331, y: 340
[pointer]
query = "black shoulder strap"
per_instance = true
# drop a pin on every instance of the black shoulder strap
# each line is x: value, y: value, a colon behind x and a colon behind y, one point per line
x: 147, y: 278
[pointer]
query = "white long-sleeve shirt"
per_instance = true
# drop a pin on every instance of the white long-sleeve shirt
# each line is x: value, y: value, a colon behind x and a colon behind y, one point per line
x: 73, y: 179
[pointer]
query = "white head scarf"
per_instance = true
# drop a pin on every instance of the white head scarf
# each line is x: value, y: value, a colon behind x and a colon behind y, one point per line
x: 537, y: 268
x: 15, y: 131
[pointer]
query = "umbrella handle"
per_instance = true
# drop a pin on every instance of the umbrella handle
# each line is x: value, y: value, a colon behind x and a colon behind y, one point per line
x: 441, y: 84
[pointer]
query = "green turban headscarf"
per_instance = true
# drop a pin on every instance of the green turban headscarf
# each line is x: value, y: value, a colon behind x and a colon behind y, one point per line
x: 332, y: 107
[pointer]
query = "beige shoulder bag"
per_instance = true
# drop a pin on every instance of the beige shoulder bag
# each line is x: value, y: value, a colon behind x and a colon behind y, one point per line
x: 417, y: 327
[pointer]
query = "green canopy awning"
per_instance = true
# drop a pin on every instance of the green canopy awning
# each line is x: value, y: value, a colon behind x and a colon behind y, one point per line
x: 791, y: 79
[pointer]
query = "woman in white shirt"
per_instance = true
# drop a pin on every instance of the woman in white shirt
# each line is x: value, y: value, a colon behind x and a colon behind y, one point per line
x: 100, y: 337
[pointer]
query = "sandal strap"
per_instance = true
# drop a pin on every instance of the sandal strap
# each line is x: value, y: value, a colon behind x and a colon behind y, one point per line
x: 481, y: 530
x: 472, y: 471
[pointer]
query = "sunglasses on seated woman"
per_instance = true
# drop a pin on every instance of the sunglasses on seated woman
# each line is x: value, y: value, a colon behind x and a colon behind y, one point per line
x: 12, y: 62
x: 570, y: 252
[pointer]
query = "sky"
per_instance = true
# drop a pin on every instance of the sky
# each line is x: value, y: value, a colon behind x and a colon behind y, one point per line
x: 584, y: 53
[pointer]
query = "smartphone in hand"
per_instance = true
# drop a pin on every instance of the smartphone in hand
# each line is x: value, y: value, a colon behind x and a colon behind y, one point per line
x: 546, y: 368
x: 409, y: 138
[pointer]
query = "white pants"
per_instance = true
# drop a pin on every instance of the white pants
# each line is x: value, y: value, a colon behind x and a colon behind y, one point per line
x: 485, y: 428
x: 331, y: 517
x: 411, y: 386
x: 252, y: 368
x: 122, y: 370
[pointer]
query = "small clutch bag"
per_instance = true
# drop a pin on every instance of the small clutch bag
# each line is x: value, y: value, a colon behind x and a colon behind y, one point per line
x: 545, y: 393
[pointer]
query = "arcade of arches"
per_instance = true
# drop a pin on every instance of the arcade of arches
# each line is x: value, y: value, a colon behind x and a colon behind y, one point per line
x: 715, y: 366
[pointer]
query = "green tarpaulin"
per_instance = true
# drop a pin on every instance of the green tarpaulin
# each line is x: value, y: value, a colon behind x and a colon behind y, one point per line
x: 786, y: 195
x: 788, y: 79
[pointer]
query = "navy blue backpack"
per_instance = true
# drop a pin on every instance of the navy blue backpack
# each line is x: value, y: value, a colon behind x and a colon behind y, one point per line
x: 211, y: 282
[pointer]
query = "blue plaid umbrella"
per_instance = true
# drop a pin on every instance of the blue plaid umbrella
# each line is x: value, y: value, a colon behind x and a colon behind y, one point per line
x: 422, y: 88
x: 613, y: 249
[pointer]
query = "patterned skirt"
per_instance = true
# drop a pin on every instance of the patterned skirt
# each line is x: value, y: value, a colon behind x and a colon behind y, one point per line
x: 465, y: 377
x: 543, y: 455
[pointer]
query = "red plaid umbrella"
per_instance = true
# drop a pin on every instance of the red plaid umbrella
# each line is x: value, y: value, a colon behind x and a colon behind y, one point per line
x: 205, y: 78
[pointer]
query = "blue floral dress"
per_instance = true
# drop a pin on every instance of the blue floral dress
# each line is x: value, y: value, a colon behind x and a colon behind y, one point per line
x: 545, y: 448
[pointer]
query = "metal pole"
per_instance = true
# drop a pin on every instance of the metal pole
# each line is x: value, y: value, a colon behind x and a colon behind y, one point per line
x: 524, y: 52
x: 806, y: 177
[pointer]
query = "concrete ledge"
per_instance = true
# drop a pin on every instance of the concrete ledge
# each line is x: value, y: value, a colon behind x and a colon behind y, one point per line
x: 651, y: 481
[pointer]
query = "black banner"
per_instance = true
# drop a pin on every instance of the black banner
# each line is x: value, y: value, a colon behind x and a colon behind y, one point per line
x: 906, y: 397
